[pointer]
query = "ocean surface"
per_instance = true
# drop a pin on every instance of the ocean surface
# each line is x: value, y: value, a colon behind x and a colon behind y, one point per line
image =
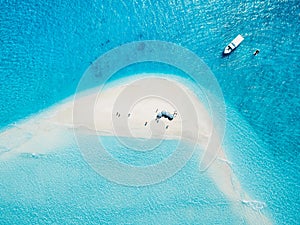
x: 45, y: 48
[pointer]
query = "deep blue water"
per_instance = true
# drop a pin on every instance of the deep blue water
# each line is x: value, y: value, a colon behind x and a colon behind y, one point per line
x: 46, y: 47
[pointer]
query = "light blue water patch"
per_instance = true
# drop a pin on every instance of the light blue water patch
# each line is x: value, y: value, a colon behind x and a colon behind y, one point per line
x: 265, y: 180
x: 139, y: 152
x: 61, y: 188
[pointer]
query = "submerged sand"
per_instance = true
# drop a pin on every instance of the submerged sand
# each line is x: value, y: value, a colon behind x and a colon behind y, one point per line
x: 46, y: 130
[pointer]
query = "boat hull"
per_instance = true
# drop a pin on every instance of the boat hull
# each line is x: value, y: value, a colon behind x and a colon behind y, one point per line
x: 233, y: 44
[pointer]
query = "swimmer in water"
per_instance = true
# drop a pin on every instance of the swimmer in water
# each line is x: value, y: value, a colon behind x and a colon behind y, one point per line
x: 256, y: 52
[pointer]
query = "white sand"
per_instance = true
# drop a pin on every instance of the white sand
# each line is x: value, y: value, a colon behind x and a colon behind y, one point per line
x: 44, y: 132
x: 144, y: 110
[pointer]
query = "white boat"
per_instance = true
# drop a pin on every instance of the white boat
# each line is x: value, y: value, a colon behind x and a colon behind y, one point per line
x: 234, y: 43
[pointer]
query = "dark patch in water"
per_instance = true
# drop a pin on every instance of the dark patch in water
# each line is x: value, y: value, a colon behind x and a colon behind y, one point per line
x: 105, y: 43
x: 141, y: 46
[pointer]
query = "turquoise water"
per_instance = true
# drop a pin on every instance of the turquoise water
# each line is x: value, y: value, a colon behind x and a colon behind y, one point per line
x: 61, y: 188
x: 46, y: 47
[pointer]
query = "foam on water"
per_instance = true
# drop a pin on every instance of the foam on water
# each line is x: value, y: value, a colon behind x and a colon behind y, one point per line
x: 255, y: 205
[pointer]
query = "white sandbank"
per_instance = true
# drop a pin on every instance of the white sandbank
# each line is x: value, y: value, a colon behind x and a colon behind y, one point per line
x: 46, y: 131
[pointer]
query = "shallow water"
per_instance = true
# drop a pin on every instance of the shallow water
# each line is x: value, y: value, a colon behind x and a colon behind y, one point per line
x: 45, y: 49
x: 60, y: 187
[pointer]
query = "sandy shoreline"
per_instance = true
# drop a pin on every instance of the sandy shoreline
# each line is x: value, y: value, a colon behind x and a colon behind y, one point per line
x: 111, y: 117
x: 107, y: 112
